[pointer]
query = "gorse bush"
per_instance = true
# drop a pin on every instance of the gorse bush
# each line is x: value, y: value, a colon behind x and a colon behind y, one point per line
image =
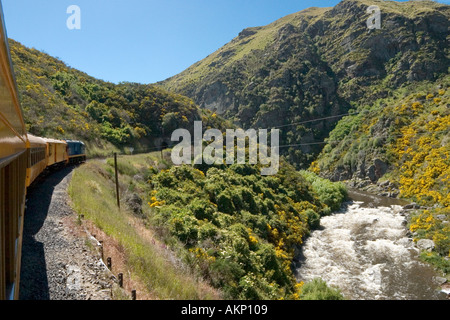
x: 240, y: 228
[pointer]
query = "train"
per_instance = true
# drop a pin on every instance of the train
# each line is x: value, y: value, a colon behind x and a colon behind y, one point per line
x: 23, y: 158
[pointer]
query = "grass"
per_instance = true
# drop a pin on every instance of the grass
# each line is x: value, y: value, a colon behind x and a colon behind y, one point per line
x: 317, y: 289
x: 100, y: 150
x: 93, y: 195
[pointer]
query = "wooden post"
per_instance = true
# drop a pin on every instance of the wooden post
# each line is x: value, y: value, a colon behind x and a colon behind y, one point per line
x: 101, y: 248
x: 117, y: 180
x: 133, y: 294
x: 120, y: 275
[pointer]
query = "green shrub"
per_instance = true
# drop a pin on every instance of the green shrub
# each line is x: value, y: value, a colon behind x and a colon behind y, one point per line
x: 436, y: 260
x: 225, y: 203
x: 202, y: 209
x: 330, y: 193
x: 313, y: 219
x: 317, y: 289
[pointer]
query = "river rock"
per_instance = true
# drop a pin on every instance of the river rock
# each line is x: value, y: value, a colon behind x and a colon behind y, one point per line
x: 364, y: 183
x: 394, y: 194
x: 134, y: 202
x: 425, y: 244
x: 440, y: 280
x: 411, y: 206
x: 377, y: 170
x: 385, y: 184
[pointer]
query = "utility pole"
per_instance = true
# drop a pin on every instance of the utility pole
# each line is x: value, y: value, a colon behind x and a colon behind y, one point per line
x: 117, y: 180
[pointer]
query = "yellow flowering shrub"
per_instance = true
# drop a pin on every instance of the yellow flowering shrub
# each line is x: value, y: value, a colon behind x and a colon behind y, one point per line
x: 424, y: 160
x: 424, y: 221
x: 155, y: 203
x: 314, y: 167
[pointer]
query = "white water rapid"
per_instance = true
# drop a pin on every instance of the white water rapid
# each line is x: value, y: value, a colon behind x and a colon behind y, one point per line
x: 366, y: 253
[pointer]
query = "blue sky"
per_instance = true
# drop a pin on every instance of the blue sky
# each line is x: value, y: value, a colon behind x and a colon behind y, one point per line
x: 140, y: 40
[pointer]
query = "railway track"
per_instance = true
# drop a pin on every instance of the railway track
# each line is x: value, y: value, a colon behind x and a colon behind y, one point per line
x: 57, y: 261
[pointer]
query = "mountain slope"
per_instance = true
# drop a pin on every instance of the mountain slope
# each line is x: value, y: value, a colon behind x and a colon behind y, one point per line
x: 318, y: 63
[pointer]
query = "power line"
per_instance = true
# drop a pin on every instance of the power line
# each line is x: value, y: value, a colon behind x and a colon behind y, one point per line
x: 297, y: 144
x: 327, y: 142
x: 314, y: 120
x: 282, y: 126
x: 302, y: 144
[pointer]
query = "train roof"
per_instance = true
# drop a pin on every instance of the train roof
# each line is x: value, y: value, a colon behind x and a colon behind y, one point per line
x: 74, y: 141
x: 35, y: 139
x: 54, y: 141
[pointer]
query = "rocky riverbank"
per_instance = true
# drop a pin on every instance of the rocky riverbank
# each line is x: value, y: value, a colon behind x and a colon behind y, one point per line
x: 383, y: 189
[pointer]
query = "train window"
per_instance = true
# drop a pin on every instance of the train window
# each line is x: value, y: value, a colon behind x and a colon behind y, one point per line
x: 50, y: 149
x: 37, y: 155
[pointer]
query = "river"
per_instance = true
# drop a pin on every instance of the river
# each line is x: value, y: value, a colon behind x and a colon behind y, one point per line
x: 364, y: 250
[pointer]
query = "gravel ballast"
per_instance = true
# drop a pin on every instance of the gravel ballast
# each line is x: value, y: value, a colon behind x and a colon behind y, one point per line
x: 59, y: 258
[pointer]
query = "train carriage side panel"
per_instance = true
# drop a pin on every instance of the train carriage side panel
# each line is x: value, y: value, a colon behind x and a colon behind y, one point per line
x: 61, y: 152
x: 13, y: 164
x: 37, y: 158
x: 56, y: 151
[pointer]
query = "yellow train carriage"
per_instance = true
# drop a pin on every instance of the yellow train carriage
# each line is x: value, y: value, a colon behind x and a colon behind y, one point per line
x: 37, y: 158
x: 13, y: 164
x: 56, y: 152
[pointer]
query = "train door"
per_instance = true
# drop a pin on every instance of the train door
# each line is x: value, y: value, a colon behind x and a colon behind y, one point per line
x: 12, y: 205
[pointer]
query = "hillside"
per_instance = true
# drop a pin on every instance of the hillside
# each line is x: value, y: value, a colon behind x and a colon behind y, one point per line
x: 324, y: 63
x: 390, y: 137
x: 61, y: 102
x: 229, y: 226
x: 317, y: 63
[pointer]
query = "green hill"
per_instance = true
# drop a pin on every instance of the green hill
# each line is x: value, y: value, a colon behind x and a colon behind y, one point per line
x: 61, y: 102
